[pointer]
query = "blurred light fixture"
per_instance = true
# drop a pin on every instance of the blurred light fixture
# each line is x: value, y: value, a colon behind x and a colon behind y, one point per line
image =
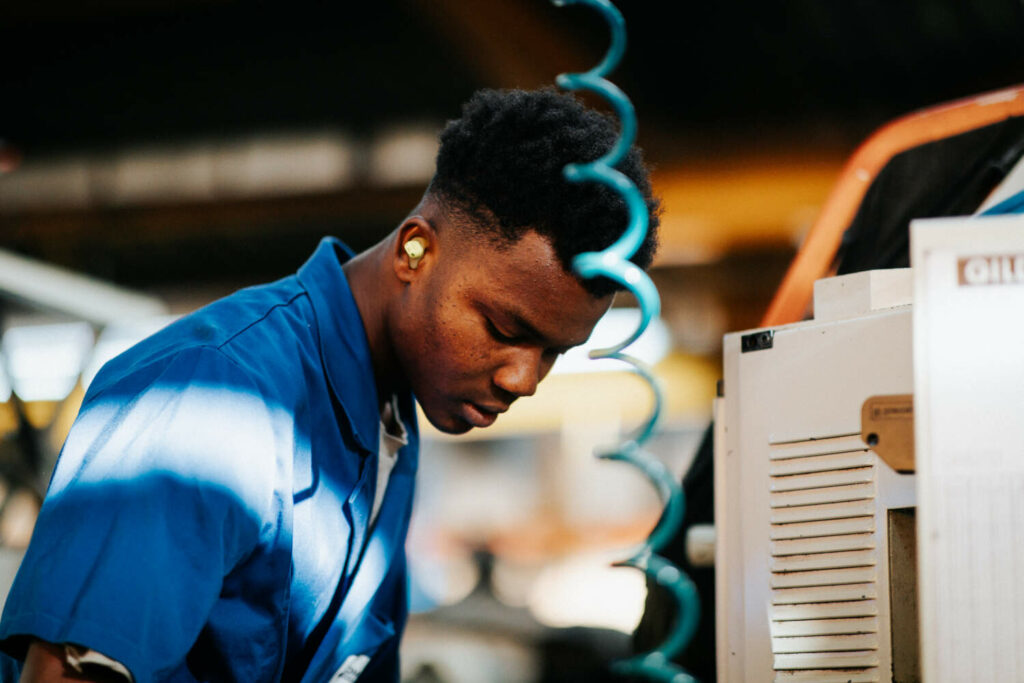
x: 285, y: 164
x: 587, y: 591
x: 63, y: 183
x: 279, y: 164
x: 403, y: 156
x: 51, y: 288
x: 159, y: 175
x: 616, y: 325
x: 44, y: 362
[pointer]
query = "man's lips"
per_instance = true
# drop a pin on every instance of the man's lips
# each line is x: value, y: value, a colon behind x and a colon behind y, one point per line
x: 480, y: 415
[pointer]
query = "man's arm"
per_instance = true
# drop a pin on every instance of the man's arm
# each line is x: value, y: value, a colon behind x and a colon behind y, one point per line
x: 160, y: 490
x: 47, y: 663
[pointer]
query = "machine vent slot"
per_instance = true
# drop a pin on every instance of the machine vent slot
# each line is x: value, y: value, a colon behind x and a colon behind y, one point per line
x: 834, y: 494
x: 844, y: 443
x: 826, y: 660
x: 821, y: 594
x: 825, y: 627
x: 824, y: 598
x: 809, y: 513
x: 823, y: 527
x: 823, y: 544
x: 828, y: 577
x: 819, y: 676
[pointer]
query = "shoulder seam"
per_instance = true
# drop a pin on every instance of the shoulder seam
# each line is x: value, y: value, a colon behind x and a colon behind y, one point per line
x: 215, y: 347
x: 263, y: 317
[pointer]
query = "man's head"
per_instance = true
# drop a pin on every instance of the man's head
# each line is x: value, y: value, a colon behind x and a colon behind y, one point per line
x: 500, y: 165
x: 485, y: 312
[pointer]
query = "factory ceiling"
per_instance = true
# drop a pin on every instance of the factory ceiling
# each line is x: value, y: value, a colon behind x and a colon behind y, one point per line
x: 99, y: 73
x: 709, y: 80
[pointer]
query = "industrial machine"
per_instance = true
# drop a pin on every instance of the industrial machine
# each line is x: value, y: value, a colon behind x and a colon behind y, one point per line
x: 869, y: 481
x: 815, y: 531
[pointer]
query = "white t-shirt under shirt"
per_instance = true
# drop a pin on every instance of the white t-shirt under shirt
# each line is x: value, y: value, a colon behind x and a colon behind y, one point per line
x: 392, y: 438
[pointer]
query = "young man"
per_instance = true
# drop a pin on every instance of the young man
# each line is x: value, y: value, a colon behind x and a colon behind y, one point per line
x: 233, y: 500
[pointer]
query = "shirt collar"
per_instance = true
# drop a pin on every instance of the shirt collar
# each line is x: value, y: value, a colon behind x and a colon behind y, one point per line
x: 344, y: 349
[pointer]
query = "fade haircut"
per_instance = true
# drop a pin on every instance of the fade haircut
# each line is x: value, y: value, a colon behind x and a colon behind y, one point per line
x: 500, y: 166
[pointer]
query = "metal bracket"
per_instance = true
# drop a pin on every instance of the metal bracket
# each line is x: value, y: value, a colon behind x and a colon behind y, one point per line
x: 757, y: 341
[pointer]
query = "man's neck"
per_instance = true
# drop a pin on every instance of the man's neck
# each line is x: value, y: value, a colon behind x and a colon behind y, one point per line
x: 373, y: 291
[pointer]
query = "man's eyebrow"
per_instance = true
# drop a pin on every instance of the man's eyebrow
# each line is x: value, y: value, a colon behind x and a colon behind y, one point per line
x: 536, y: 334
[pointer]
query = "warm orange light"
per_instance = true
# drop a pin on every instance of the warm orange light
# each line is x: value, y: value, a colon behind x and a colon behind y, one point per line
x: 712, y: 208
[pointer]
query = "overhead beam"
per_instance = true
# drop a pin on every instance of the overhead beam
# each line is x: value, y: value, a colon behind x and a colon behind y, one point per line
x: 225, y: 218
x: 711, y: 207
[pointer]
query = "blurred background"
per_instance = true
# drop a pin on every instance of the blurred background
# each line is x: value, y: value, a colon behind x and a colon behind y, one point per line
x: 157, y: 155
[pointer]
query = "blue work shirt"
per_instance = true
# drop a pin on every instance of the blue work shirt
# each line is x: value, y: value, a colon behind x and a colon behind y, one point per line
x: 209, y: 516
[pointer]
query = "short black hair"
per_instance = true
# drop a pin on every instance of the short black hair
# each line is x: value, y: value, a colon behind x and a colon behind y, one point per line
x: 501, y: 165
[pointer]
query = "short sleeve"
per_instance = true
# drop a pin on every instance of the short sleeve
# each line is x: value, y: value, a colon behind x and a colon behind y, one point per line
x: 165, y: 483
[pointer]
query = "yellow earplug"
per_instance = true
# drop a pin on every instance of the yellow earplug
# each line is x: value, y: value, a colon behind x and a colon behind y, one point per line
x: 415, y: 248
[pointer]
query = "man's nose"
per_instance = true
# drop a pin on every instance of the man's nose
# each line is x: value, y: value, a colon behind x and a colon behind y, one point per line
x: 521, y: 372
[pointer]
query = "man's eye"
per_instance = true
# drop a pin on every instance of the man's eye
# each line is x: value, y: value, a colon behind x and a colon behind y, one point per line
x: 499, y: 336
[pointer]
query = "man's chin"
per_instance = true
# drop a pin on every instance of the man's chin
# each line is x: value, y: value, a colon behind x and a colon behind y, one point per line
x: 448, y: 423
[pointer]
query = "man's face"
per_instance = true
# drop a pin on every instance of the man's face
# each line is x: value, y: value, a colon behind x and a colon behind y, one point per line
x: 482, y: 325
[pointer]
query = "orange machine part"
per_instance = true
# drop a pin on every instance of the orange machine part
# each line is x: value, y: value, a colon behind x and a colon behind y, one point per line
x: 814, y: 259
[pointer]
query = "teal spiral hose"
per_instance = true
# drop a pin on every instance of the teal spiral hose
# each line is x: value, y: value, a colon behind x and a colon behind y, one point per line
x: 613, y: 263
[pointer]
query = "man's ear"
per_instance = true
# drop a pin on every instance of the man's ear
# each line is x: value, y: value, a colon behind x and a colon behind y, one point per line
x: 416, y: 249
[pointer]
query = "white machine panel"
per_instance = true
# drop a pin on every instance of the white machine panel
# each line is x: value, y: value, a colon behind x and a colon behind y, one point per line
x: 969, y: 429
x: 804, y: 509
